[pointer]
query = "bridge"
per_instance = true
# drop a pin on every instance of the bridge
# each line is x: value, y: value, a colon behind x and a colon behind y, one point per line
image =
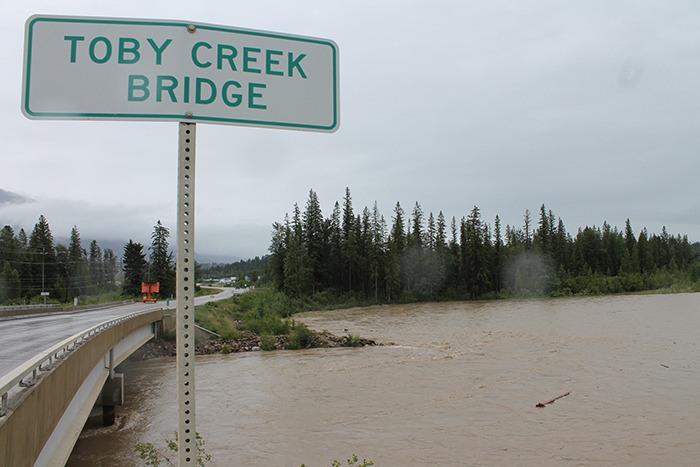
x: 47, y: 395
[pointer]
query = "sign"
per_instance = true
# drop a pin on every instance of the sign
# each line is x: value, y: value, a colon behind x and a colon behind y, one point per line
x: 129, y: 69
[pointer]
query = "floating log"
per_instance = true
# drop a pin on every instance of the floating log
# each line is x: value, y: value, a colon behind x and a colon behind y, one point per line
x: 551, y: 401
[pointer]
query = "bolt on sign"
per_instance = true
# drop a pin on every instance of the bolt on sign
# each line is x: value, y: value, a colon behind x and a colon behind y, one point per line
x: 156, y: 70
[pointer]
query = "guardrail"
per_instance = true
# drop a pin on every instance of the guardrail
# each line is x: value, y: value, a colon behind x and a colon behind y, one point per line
x: 25, y: 311
x: 44, y: 360
x: 29, y: 307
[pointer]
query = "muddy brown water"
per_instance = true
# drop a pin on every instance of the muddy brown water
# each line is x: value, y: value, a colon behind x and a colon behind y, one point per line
x: 458, y: 387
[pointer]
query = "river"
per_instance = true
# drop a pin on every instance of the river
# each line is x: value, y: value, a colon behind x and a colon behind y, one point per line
x: 456, y: 386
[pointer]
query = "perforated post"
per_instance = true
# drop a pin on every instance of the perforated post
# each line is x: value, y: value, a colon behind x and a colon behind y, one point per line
x: 187, y: 441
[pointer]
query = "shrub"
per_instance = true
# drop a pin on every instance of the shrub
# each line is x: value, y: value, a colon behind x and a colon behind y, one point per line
x: 353, y: 340
x: 268, y: 342
x: 169, y: 336
x: 305, y: 334
x: 152, y: 456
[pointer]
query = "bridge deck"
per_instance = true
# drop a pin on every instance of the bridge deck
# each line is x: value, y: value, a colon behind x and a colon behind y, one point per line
x: 31, y: 422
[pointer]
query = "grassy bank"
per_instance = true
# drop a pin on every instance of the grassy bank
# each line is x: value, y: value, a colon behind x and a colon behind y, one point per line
x: 266, y: 314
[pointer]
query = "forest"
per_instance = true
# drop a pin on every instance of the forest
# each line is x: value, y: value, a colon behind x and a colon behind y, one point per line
x: 418, y: 257
x: 351, y: 256
x: 34, y: 264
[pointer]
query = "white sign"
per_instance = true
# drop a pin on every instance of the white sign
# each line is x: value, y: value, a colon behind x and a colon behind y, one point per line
x: 129, y: 69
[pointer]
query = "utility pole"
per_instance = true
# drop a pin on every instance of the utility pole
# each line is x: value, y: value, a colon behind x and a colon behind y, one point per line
x: 43, y: 260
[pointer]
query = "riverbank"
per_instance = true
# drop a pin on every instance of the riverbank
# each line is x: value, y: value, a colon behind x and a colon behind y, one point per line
x: 248, y: 342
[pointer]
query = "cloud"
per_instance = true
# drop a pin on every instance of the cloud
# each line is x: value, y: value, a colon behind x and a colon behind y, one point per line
x: 590, y: 108
x: 7, y: 197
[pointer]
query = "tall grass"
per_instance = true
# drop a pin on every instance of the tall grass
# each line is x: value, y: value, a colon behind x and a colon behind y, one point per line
x: 261, y: 311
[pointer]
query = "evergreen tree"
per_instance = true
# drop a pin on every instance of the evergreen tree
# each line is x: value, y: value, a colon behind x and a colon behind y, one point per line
x: 162, y: 266
x: 63, y: 270
x: 441, y: 232
x: 496, y: 276
x: 416, y: 236
x: 614, y: 246
x: 452, y: 266
x: 433, y: 274
x: 95, y: 265
x: 42, y: 257
x: 431, y: 233
x: 77, y: 267
x: 363, y: 228
x: 661, y: 249
x: 376, y: 251
x: 9, y: 246
x: 646, y: 261
x: 412, y: 266
x: 395, y: 252
x: 278, y: 253
x: 561, y: 248
x: 542, y: 235
x: 314, y: 239
x: 297, y: 273
x: 22, y: 239
x: 683, y: 252
x: 349, y: 240
x: 135, y: 265
x: 110, y: 267
x: 527, y: 222
x: 335, y: 237
x: 465, y: 280
x: 551, y: 221
x: 488, y: 258
x: 475, y: 255
x: 25, y: 265
x: 10, y: 285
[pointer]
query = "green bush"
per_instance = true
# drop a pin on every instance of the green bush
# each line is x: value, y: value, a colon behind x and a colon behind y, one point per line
x: 268, y: 324
x: 169, y: 336
x: 300, y: 337
x: 353, y: 340
x: 268, y: 342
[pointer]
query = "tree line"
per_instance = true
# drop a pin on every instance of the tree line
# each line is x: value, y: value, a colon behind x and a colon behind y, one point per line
x: 251, y: 268
x: 425, y: 257
x: 34, y: 263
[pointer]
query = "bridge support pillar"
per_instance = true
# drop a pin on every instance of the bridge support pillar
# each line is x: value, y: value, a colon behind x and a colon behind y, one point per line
x: 109, y: 415
x: 111, y: 396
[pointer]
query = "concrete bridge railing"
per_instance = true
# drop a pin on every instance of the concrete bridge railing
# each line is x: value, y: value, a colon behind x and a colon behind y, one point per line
x: 46, y: 401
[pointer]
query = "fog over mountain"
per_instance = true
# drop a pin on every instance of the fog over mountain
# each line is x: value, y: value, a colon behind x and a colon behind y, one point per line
x: 7, y: 197
x: 105, y: 224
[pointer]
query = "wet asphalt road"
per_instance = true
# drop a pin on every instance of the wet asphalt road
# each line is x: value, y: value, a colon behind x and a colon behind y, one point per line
x: 23, y: 338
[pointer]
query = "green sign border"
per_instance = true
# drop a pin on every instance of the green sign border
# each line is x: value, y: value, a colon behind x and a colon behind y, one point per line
x: 174, y: 117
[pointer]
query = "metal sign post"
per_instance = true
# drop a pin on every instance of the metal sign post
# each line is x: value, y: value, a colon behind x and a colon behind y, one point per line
x: 85, y: 68
x: 187, y: 435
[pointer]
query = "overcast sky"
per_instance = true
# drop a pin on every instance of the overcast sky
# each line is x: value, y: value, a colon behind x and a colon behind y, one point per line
x: 590, y: 107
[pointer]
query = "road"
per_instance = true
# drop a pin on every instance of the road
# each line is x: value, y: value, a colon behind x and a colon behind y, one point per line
x: 23, y: 338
